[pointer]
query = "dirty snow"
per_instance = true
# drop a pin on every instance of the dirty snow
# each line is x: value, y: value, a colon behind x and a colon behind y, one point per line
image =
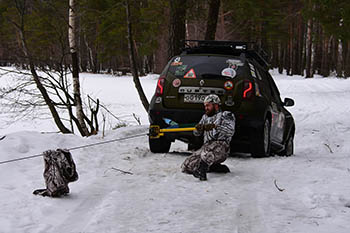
x: 157, y: 197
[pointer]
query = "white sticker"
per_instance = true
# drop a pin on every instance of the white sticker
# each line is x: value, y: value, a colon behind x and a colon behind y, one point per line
x: 229, y: 72
x: 234, y: 63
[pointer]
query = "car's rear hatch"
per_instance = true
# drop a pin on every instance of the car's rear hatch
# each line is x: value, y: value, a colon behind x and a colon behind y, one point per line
x: 190, y: 78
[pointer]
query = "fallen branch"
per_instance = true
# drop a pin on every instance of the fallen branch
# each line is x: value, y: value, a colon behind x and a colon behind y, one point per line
x: 279, y: 189
x: 124, y: 172
x: 330, y: 149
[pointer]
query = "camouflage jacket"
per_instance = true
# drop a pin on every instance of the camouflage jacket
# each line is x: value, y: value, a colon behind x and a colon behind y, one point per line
x: 224, y: 130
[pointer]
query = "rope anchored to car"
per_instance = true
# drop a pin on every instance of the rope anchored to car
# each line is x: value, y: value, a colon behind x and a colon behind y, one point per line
x: 76, y: 148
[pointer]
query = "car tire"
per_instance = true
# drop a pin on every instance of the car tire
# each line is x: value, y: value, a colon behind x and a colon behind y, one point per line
x: 159, y: 145
x: 262, y: 142
x: 288, y: 147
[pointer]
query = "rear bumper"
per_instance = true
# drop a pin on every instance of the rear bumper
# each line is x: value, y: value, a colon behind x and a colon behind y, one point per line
x: 245, y: 128
x: 179, y: 116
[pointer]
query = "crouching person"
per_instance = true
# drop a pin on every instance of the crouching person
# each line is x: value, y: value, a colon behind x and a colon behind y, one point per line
x: 217, y: 128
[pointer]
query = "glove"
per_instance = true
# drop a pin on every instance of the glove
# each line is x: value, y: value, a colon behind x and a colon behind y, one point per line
x: 199, y: 127
x: 209, y: 127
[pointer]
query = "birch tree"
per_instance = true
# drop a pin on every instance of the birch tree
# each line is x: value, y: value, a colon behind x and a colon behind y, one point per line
x: 75, y: 68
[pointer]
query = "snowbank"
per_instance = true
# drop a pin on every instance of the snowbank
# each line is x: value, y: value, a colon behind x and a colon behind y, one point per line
x: 157, y: 197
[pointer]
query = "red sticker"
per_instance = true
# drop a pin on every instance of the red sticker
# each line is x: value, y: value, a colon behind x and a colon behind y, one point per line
x: 190, y: 74
x: 228, y: 85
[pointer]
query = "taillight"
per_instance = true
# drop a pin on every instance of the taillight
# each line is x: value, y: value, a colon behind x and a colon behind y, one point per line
x: 247, y: 90
x: 160, y: 86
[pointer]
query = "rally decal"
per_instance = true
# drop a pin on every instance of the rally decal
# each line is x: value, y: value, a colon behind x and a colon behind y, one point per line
x: 229, y: 72
x: 176, y: 62
x: 190, y: 74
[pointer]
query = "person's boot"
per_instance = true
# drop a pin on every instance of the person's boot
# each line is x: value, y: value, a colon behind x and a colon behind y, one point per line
x: 201, y: 172
x: 219, y: 168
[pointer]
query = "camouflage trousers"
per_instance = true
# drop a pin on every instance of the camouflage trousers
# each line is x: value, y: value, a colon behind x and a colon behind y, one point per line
x: 214, y: 152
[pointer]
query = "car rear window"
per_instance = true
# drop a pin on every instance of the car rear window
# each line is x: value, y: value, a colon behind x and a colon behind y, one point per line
x: 192, y: 66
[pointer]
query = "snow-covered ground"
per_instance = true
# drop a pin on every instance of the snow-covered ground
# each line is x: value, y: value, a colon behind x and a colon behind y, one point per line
x: 157, y: 197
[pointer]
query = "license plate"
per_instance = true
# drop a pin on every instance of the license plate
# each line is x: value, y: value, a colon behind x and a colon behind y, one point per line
x: 194, y: 98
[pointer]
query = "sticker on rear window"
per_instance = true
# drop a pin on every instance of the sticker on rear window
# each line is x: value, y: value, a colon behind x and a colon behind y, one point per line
x: 176, y: 62
x: 229, y: 72
x: 232, y: 63
x: 180, y: 70
x: 190, y: 74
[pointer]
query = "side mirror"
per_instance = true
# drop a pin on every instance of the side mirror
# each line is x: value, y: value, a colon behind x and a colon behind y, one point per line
x: 288, y: 102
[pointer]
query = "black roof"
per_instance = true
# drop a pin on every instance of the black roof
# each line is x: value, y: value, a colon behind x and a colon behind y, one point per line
x: 236, y: 48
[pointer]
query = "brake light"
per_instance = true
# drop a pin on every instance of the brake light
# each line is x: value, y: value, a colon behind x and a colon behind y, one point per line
x: 160, y: 86
x: 247, y: 90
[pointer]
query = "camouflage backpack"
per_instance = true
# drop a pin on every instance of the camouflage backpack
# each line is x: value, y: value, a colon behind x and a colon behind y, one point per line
x: 59, y: 171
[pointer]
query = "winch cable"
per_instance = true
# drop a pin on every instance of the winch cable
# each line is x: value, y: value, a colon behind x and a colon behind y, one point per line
x: 76, y: 148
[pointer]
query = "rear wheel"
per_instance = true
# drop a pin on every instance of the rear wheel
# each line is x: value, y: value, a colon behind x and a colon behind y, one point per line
x: 288, y: 147
x: 159, y: 145
x: 261, y: 141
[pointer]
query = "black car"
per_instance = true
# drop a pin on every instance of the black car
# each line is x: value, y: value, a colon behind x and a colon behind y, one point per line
x: 239, y: 76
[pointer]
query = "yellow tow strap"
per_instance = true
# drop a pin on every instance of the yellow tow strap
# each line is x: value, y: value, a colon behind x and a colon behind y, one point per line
x: 156, y: 131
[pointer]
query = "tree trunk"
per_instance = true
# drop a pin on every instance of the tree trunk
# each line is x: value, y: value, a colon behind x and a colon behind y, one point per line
x: 286, y: 57
x: 347, y: 64
x: 309, y: 49
x: 300, y: 70
x: 75, y: 69
x: 41, y: 87
x: 220, y: 34
x: 214, y: 6
x: 295, y: 55
x: 325, y: 58
x: 318, y: 49
x: 137, y: 34
x: 340, y: 59
x: 280, y: 57
x: 177, y: 32
x: 290, y: 51
x: 160, y: 57
x: 132, y: 59
x: 89, y: 54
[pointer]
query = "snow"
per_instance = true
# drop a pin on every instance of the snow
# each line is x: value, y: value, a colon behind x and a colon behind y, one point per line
x: 157, y: 197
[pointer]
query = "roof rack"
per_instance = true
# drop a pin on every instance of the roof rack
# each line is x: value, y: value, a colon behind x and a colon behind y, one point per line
x: 237, y: 48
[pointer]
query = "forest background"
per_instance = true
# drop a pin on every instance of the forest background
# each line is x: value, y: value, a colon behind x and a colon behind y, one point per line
x: 303, y: 37
x: 51, y: 41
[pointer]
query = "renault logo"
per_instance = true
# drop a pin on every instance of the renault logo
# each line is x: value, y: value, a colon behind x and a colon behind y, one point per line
x: 201, y: 83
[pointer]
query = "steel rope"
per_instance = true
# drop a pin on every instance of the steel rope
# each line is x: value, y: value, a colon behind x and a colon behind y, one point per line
x: 75, y: 148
